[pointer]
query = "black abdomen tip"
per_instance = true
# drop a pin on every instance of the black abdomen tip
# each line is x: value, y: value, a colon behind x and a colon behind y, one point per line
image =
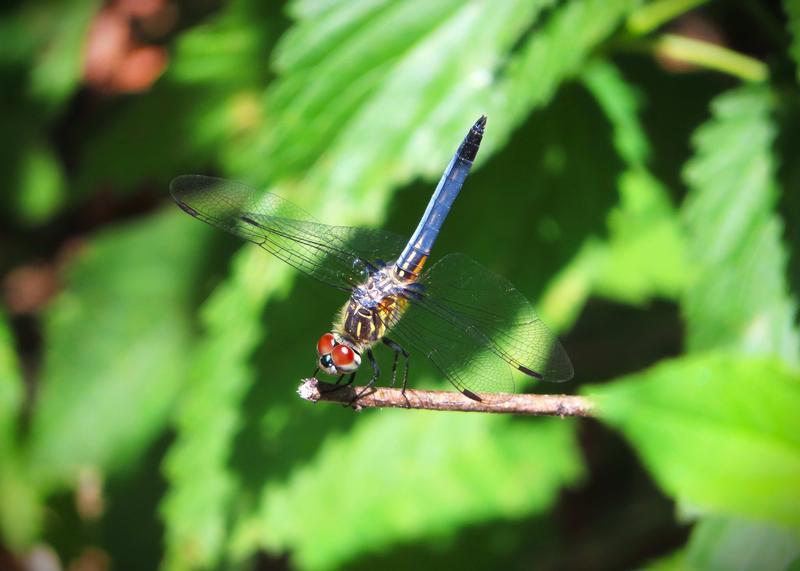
x: 469, y: 148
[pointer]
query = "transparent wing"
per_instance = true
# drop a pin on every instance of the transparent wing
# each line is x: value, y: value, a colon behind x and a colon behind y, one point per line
x: 463, y: 360
x: 471, y: 321
x: 336, y: 255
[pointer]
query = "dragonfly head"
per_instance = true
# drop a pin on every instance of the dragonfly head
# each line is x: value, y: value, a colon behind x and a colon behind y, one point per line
x: 336, y: 355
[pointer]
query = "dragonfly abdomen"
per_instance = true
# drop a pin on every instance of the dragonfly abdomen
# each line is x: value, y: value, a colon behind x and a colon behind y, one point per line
x: 410, y: 263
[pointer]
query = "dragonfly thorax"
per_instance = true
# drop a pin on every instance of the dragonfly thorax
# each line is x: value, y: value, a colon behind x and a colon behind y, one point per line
x: 372, y: 306
x: 381, y: 284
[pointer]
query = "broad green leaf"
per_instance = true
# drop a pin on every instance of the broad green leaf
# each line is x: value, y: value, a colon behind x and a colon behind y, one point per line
x: 739, y: 296
x: 645, y: 223
x: 623, y: 266
x: 208, y: 416
x: 734, y: 544
x: 718, y: 431
x: 792, y: 9
x: 116, y: 351
x: 413, y: 58
x: 369, y: 484
x: 422, y: 67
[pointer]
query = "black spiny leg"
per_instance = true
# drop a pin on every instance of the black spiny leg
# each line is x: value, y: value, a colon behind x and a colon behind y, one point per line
x: 398, y: 350
x: 337, y: 386
x: 376, y: 373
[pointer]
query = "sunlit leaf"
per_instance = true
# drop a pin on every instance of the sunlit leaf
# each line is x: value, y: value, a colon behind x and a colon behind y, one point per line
x: 428, y: 80
x: 368, y: 483
x: 645, y: 222
x: 718, y: 431
x: 21, y: 502
x: 208, y: 416
x: 738, y: 296
x: 40, y: 184
x: 623, y: 266
x: 116, y: 352
x: 734, y: 544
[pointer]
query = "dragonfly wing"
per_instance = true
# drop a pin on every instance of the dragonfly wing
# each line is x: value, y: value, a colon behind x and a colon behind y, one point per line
x: 465, y: 362
x: 337, y: 255
x: 464, y: 308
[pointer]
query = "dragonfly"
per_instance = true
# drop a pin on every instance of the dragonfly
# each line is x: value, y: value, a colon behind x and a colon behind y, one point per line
x: 470, y: 322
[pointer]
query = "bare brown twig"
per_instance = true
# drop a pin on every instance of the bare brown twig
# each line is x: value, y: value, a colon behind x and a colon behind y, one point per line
x: 379, y: 397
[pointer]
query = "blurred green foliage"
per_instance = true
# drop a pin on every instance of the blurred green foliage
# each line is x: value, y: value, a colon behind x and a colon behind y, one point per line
x: 147, y: 408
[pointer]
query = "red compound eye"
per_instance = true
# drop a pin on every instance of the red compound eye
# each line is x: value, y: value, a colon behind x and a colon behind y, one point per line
x: 343, y: 356
x: 326, y: 344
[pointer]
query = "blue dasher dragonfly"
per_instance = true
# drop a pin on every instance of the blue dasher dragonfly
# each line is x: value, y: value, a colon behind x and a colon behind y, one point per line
x: 470, y: 322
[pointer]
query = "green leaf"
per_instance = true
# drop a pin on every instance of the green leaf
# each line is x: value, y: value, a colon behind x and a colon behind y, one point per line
x: 40, y: 185
x: 792, y: 8
x: 210, y: 96
x: 734, y: 544
x: 623, y: 267
x: 717, y: 431
x: 474, y: 468
x: 209, y: 414
x: 20, y: 508
x: 12, y: 390
x: 54, y: 36
x: 117, y: 348
x: 739, y: 295
x: 21, y: 502
x: 621, y: 103
x: 409, y: 62
x: 675, y: 561
x: 645, y: 223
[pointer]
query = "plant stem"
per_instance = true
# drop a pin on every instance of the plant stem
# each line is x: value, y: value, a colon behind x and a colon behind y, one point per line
x: 651, y: 16
x: 711, y: 56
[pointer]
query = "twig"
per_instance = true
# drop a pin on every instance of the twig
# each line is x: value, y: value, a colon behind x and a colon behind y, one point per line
x: 379, y: 397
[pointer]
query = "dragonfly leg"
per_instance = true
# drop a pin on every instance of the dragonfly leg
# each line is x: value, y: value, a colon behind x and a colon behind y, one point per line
x: 339, y: 380
x: 350, y: 380
x: 376, y: 373
x: 398, y: 350
x: 314, y: 374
